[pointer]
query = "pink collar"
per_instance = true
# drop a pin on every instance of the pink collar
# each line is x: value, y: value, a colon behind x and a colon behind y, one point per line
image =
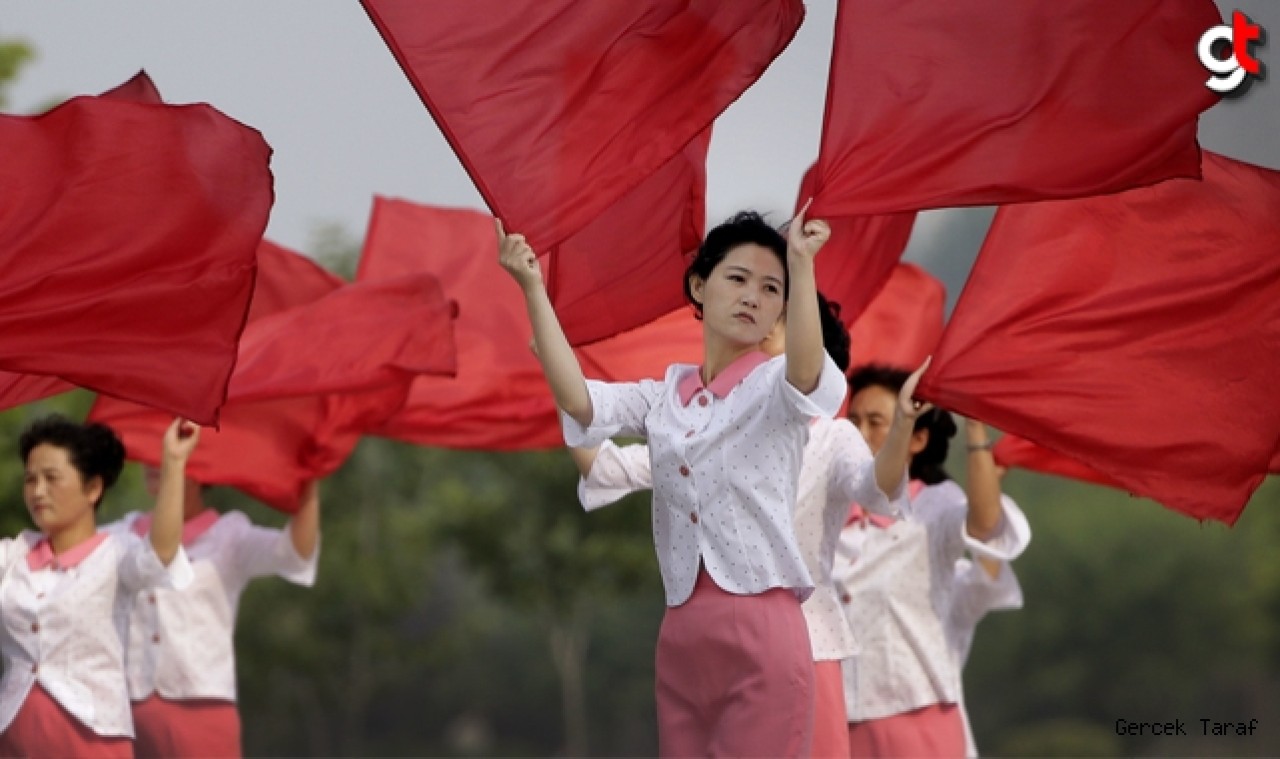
x: 43, y: 556
x: 192, y: 529
x: 857, y: 513
x: 724, y: 382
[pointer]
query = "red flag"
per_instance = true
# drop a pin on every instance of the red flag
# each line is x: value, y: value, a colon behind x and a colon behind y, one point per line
x: 861, y: 255
x: 646, y: 238
x: 127, y: 238
x: 499, y: 399
x: 979, y: 102
x: 902, y: 325
x: 1135, y: 333
x: 17, y: 389
x: 1013, y: 451
x: 586, y: 130
x: 320, y: 364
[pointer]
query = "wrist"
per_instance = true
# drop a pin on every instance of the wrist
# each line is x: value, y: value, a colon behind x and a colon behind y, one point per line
x: 977, y: 447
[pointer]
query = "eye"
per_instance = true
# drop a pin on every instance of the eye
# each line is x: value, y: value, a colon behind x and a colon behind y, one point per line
x: 772, y: 289
x: 737, y: 278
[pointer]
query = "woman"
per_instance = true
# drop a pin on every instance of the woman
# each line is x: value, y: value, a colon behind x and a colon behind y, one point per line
x: 66, y: 590
x: 897, y: 580
x: 725, y: 443
x: 181, y: 663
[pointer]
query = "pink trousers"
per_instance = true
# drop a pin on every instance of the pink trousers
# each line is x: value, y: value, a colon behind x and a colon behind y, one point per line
x: 734, y: 675
x: 191, y: 729
x: 830, y: 720
x: 928, y: 732
x: 43, y: 729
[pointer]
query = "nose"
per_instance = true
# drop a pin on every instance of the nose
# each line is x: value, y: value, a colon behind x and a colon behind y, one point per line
x: 751, y: 297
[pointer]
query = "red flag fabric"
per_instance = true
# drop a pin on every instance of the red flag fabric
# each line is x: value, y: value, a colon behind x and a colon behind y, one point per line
x: 647, y: 239
x: 586, y: 130
x: 127, y: 238
x: 498, y: 400
x: 17, y: 389
x: 983, y: 102
x: 861, y: 255
x: 1012, y: 451
x: 1135, y: 333
x: 320, y: 364
x: 903, y: 324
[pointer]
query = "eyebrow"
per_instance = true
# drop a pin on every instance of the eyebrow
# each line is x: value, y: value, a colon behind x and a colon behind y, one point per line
x: 745, y: 270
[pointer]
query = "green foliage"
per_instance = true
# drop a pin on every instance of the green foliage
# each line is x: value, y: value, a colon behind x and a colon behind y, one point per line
x: 14, y: 54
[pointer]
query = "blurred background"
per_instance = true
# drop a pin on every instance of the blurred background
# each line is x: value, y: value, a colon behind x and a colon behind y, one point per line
x: 466, y: 606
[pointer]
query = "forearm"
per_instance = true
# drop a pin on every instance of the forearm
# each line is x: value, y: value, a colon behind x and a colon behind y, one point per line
x: 166, y: 519
x: 895, y: 455
x: 304, y: 528
x: 584, y: 458
x: 983, y: 488
x: 805, y: 354
x: 559, y: 364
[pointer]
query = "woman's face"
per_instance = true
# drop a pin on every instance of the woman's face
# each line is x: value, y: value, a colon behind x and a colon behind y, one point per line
x: 871, y: 411
x: 53, y: 489
x: 742, y: 299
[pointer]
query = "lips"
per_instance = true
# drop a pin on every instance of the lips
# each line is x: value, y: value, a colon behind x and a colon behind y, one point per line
x: 744, y: 317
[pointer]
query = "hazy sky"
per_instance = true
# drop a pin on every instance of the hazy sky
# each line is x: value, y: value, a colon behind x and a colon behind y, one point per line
x: 316, y: 79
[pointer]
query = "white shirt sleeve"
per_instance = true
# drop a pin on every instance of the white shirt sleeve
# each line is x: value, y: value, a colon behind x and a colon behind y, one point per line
x: 825, y: 399
x: 618, y: 408
x: 853, y: 474
x: 977, y: 593
x: 11, y: 549
x: 141, y: 569
x: 617, y: 471
x: 1011, y: 538
x: 254, y: 551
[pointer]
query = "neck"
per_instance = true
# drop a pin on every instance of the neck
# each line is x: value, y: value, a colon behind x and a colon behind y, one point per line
x: 717, y: 354
x: 73, y: 534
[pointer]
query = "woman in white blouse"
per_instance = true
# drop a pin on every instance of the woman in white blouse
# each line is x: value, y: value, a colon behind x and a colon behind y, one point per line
x: 734, y: 673
x: 837, y: 469
x: 66, y: 589
x: 897, y: 580
x: 181, y: 662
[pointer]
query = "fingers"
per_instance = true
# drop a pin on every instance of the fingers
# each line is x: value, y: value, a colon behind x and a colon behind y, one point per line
x: 497, y: 226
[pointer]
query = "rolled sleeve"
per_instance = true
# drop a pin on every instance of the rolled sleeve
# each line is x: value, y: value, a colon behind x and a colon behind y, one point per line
x: 266, y: 551
x: 617, y: 409
x: 141, y: 569
x: 825, y: 399
x: 1010, y: 540
x: 616, y: 472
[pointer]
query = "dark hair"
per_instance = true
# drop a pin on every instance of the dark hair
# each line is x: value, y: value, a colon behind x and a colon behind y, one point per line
x: 94, y: 449
x: 926, y: 465
x: 745, y: 228
x: 835, y: 338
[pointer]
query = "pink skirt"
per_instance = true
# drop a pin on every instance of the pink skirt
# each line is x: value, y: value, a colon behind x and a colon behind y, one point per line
x: 928, y: 732
x: 42, y: 728
x: 189, y: 729
x: 830, y: 720
x: 734, y: 675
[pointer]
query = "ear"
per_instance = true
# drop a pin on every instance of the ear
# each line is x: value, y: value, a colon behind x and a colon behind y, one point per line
x: 93, y: 489
x: 919, y: 439
x: 697, y: 285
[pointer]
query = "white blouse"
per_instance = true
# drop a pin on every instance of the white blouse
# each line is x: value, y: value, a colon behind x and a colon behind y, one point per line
x: 181, y: 641
x: 898, y: 590
x: 725, y: 461
x: 837, y: 469
x: 976, y: 594
x: 64, y: 627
